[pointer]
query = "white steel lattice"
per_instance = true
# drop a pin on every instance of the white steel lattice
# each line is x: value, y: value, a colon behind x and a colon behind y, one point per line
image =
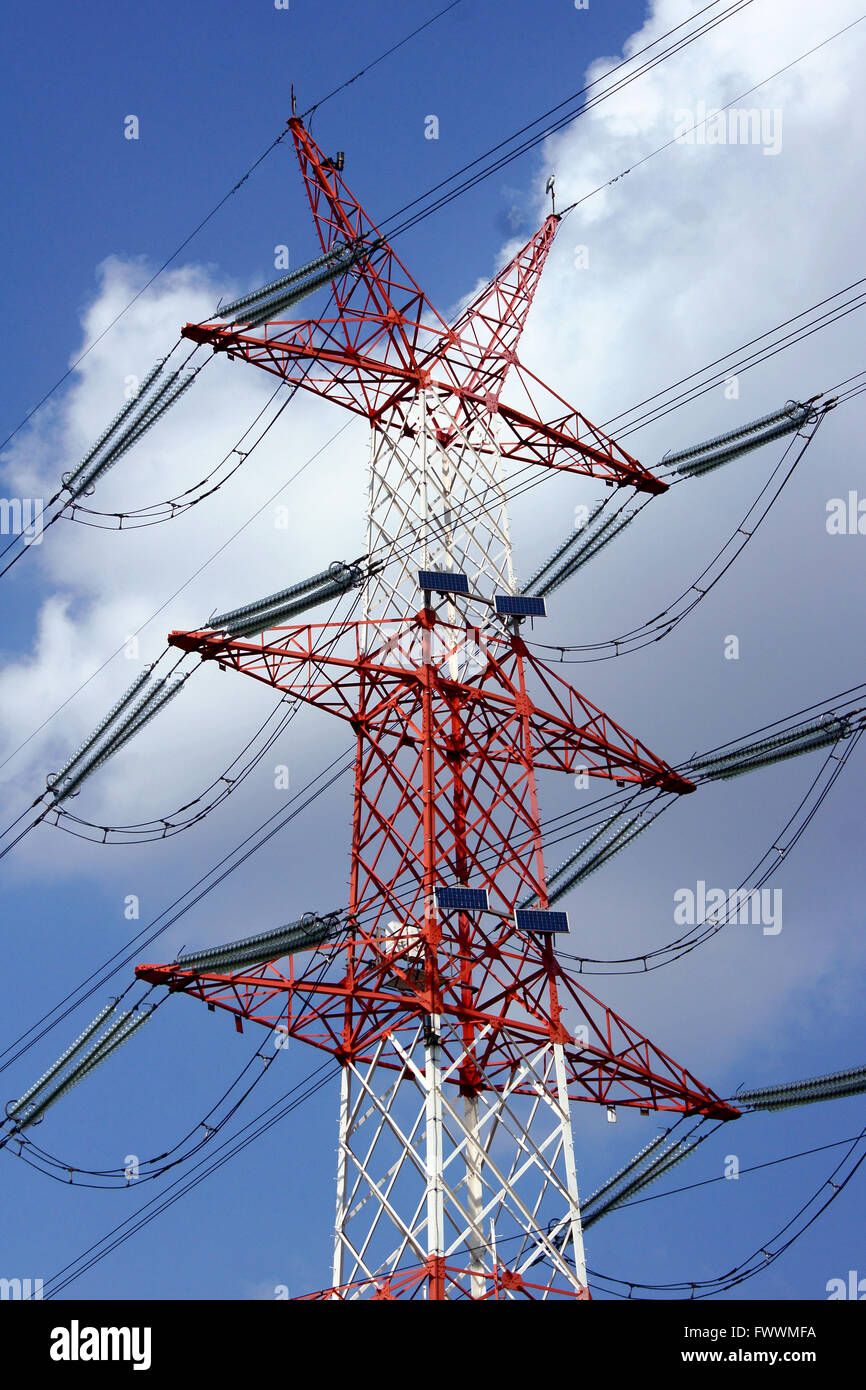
x: 483, y: 1180
x: 436, y: 506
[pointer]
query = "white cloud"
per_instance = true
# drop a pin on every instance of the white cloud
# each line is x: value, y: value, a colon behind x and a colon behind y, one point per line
x: 690, y: 254
x: 102, y: 586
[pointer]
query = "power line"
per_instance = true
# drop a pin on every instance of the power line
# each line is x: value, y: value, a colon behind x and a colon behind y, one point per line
x: 601, y: 96
x: 214, y: 210
x: 734, y: 8
x: 185, y: 909
x: 659, y: 415
x: 742, y: 95
x: 381, y: 58
x: 643, y: 959
x: 682, y: 43
x: 27, y: 1146
x: 254, y: 1129
x: 761, y: 1258
x: 666, y: 621
x: 142, y: 938
x: 752, y: 1168
x: 189, y: 580
x: 567, y: 818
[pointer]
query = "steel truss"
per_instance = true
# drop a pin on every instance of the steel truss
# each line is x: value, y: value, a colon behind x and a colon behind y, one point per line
x: 463, y: 1042
x: 505, y: 1179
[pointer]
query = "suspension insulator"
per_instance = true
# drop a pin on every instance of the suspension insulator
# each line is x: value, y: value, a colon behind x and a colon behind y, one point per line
x: 162, y: 402
x: 122, y: 703
x: 282, y: 941
x: 140, y: 714
x: 764, y: 758
x: 71, y: 1051
x: 790, y: 409
x: 613, y: 846
x: 832, y: 726
x: 829, y: 1087
x: 334, y: 574
x: 263, y: 619
x: 119, y: 1032
x: 256, y: 296
x: 707, y: 462
x: 574, y: 538
x: 266, y: 312
x: 588, y: 552
x: 117, y: 421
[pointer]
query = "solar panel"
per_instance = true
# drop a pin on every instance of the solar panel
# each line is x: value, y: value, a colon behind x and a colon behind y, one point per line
x: 520, y: 606
x: 462, y: 899
x: 527, y: 920
x: 443, y: 581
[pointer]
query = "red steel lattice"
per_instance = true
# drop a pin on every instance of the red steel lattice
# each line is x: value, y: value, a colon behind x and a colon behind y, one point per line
x: 449, y: 730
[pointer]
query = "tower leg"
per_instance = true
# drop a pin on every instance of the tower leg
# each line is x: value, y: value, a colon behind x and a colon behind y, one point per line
x: 475, y: 1243
x: 424, y: 1172
x: 342, y: 1172
x: 435, y: 1182
x: 569, y: 1164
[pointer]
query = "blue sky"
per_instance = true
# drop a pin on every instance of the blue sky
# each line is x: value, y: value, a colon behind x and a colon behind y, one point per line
x: 689, y: 257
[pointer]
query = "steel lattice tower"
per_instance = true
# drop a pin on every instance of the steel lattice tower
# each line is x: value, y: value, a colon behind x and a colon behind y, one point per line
x: 463, y: 1043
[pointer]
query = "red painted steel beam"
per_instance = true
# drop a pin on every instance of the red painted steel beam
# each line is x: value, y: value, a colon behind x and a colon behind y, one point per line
x: 445, y: 769
x: 385, y: 340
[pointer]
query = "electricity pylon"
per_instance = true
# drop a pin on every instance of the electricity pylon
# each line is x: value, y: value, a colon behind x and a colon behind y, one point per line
x: 463, y: 1042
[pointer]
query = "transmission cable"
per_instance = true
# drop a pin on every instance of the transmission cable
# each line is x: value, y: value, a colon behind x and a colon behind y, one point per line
x: 232, y: 1146
x: 214, y: 210
x: 512, y: 493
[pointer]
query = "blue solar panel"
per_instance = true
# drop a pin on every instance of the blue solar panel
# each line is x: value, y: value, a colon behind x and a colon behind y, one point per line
x: 443, y: 581
x: 462, y: 899
x: 527, y: 920
x: 520, y: 606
